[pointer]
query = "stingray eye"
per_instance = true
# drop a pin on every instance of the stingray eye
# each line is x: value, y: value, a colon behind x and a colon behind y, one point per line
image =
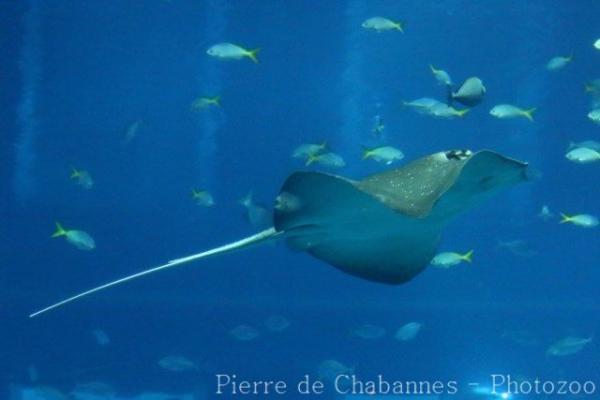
x: 458, y: 154
x: 453, y: 154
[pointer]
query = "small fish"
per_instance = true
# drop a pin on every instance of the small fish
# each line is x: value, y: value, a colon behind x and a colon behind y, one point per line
x: 132, y: 131
x: 101, y: 337
x: 277, y: 323
x: 369, y: 332
x: 32, y: 373
x: 309, y: 149
x: 519, y: 248
x: 545, y: 213
x: 332, y: 160
x: 82, y: 178
x: 287, y: 202
x: 244, y: 333
x: 583, y: 220
x: 257, y: 215
x: 557, y: 63
x: 441, y: 76
x: 507, y: 111
x: 203, y: 198
x: 229, y: 51
x: 521, y: 337
x: 383, y: 154
x: 589, y: 144
x: 583, y: 155
x: 80, y: 239
x: 594, y: 115
x: 470, y: 93
x: 423, y: 105
x: 202, y: 103
x: 449, y: 259
x: 380, y: 24
x: 329, y: 370
x: 593, y: 87
x: 177, y: 364
x: 378, y: 126
x: 567, y: 346
x: 597, y: 44
x: 445, y: 111
x: 408, y: 331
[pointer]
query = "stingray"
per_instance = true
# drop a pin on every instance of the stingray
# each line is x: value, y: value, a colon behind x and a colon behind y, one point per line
x: 384, y: 228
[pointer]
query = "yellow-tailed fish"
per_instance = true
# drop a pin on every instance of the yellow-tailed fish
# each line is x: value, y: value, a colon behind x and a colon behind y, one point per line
x: 230, y: 51
x: 508, y: 111
x: 441, y: 76
x: 582, y: 220
x: 380, y: 24
x: 80, y: 239
x: 82, y: 177
x: 450, y: 259
x: 202, y: 198
x: 383, y: 154
x: 202, y: 103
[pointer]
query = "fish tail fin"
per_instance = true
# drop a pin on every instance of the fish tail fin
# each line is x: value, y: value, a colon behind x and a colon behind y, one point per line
x: 252, y: 54
x: 196, y: 193
x: 311, y: 159
x: 60, y: 231
x: 217, y: 100
x: 564, y: 218
x: 399, y: 25
x: 461, y: 113
x: 366, y: 153
x: 75, y: 173
x: 432, y: 68
x: 588, y: 88
x: 256, y: 239
x: 529, y: 113
x: 468, y: 256
x: 246, y: 201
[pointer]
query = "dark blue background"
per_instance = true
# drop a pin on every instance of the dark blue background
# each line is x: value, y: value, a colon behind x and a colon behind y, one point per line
x: 106, y: 64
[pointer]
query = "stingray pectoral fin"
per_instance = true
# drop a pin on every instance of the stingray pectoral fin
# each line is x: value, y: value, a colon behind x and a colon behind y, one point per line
x: 335, y: 221
x: 484, y: 174
x: 259, y: 238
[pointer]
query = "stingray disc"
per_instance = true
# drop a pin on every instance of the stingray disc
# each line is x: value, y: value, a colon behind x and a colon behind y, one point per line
x: 386, y: 227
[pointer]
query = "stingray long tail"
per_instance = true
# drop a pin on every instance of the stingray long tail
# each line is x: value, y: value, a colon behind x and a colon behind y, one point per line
x: 256, y: 239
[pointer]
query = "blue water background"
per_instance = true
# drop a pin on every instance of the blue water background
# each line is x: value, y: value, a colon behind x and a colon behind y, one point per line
x: 104, y: 65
